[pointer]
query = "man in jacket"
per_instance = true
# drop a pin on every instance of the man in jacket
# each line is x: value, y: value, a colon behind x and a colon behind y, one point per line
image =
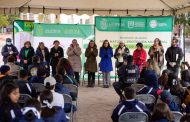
x: 173, y: 56
x: 128, y: 74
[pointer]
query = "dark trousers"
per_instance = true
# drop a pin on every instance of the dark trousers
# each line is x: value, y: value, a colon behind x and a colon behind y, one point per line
x: 77, y: 76
x: 119, y: 87
x: 91, y: 77
x: 53, y: 70
x: 174, y: 70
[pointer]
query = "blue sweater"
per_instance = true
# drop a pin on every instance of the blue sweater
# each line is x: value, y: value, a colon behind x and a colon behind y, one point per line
x: 128, y: 106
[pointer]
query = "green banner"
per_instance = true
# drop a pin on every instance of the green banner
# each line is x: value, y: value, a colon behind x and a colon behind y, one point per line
x: 63, y: 30
x: 26, y: 26
x: 135, y: 24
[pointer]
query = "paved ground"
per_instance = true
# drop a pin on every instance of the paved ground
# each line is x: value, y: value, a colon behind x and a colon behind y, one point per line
x: 96, y: 104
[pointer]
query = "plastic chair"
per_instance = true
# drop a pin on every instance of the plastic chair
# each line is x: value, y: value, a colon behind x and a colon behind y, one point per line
x: 83, y: 77
x: 146, y: 98
x: 73, y: 89
x: 177, y: 116
x: 38, y: 86
x: 133, y: 117
x: 23, y: 98
x: 68, y: 99
x: 176, y: 99
x: 137, y: 86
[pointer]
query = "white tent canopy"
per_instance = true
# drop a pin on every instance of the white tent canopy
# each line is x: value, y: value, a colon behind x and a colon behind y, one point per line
x: 100, y: 7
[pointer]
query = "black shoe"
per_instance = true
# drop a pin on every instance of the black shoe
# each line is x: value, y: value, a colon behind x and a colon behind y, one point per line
x: 104, y: 86
x: 107, y: 86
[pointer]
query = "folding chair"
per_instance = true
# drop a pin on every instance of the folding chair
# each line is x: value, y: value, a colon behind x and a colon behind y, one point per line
x: 23, y: 98
x: 83, y: 77
x: 176, y: 99
x: 177, y: 116
x: 137, y: 86
x: 133, y: 117
x: 73, y: 89
x: 38, y: 86
x: 68, y: 99
x: 146, y: 98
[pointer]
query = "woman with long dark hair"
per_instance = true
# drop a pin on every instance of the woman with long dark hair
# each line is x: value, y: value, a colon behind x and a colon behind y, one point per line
x: 66, y: 71
x: 9, y: 107
x: 156, y: 52
x: 91, y: 64
x: 106, y: 53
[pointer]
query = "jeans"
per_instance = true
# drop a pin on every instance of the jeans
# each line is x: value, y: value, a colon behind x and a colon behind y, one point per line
x: 106, y: 78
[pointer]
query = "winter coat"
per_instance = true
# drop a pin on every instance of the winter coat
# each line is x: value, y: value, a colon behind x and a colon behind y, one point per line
x: 47, y: 55
x: 91, y: 63
x: 158, y: 56
x: 6, y: 50
x: 174, y: 54
x: 140, y: 58
x: 106, y: 62
x: 74, y: 58
x: 53, y: 58
x: 28, y: 57
x: 128, y: 106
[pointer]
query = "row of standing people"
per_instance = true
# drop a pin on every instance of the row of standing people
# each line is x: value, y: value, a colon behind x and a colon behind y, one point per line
x: 173, y: 56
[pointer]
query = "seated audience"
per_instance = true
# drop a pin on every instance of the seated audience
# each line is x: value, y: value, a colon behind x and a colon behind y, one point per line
x: 129, y: 105
x: 163, y: 79
x: 128, y: 74
x: 162, y: 113
x: 14, y: 69
x: 41, y: 75
x: 9, y: 107
x: 185, y: 118
x: 58, y: 99
x: 166, y: 97
x: 24, y: 86
x: 49, y: 111
x: 31, y: 111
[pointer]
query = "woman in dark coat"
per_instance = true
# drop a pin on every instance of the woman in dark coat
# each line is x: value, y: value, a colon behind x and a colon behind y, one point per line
x: 55, y: 54
x: 91, y: 63
x: 106, y: 53
x: 44, y: 55
x: 26, y: 54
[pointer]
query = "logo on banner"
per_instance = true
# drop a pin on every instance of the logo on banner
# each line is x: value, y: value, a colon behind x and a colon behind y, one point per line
x: 103, y: 24
x: 131, y: 24
x: 153, y: 23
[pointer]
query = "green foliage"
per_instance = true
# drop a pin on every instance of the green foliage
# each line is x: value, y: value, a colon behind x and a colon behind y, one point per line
x: 4, y: 21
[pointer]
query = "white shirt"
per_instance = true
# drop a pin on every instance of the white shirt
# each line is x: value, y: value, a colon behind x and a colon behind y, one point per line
x: 58, y: 99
